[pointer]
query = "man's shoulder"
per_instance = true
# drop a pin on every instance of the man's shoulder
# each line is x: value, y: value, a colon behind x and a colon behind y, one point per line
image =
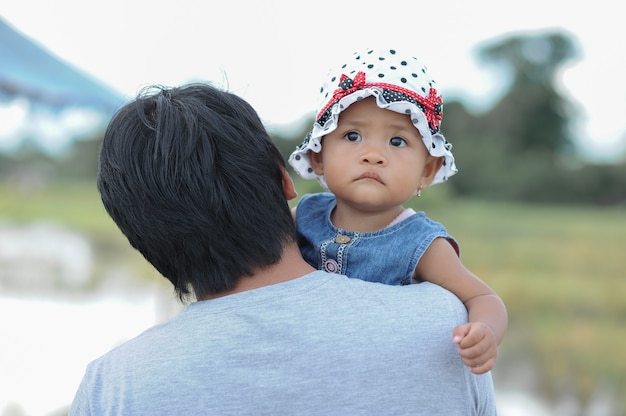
x: 420, y: 295
x: 427, y: 290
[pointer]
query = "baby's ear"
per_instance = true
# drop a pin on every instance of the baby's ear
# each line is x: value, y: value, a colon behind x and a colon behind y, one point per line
x: 316, y: 162
x: 433, y: 164
x: 288, y: 187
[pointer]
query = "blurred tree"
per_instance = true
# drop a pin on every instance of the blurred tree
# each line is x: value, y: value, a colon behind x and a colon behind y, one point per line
x: 28, y: 167
x: 542, y: 113
x: 81, y: 162
x: 522, y: 147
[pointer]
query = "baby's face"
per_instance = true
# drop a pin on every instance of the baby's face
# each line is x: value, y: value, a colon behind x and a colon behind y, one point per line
x: 374, y: 155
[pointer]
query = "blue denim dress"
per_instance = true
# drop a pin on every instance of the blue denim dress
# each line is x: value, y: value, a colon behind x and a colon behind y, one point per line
x: 386, y: 256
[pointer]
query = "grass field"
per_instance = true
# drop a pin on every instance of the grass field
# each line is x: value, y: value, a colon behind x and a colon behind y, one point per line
x: 560, y: 270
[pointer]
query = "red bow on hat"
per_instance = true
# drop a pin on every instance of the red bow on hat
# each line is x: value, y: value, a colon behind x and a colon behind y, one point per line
x: 434, y: 108
x: 348, y: 86
x: 432, y: 105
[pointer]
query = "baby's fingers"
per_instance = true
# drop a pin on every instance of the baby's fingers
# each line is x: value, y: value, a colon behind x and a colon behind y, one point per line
x: 472, y: 335
x: 483, y: 368
x: 479, y: 351
x: 459, y: 332
x: 480, y: 357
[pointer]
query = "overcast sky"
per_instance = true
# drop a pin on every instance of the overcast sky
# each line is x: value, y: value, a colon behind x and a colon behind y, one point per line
x: 276, y: 54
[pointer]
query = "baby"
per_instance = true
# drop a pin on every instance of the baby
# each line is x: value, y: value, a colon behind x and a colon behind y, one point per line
x: 375, y: 144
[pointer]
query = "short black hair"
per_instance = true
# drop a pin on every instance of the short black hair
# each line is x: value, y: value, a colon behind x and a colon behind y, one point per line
x: 193, y: 180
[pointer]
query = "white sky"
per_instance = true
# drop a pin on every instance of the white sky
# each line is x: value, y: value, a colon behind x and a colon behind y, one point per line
x: 276, y: 54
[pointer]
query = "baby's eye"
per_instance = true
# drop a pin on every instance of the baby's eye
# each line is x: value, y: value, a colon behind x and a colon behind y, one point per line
x: 353, y: 136
x: 398, y: 142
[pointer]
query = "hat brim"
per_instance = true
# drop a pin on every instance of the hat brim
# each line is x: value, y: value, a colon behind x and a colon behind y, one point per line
x: 435, y: 143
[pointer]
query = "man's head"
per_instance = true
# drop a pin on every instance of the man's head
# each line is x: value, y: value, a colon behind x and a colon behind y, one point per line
x: 193, y: 180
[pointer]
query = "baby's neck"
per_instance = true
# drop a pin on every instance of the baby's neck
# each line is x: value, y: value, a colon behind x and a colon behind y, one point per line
x: 363, y: 221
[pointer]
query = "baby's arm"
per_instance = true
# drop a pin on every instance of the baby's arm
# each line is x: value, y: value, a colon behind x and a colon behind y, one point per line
x: 478, y: 340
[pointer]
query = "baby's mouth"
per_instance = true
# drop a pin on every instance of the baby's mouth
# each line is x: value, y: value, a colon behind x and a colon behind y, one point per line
x: 371, y: 175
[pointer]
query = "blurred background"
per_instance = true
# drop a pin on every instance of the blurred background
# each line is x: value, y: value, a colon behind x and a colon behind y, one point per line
x: 535, y: 106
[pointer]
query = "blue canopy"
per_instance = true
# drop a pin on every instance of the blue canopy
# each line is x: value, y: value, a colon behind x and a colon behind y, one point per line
x: 28, y: 70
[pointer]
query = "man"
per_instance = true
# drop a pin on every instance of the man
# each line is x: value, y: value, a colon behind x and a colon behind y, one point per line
x: 193, y: 180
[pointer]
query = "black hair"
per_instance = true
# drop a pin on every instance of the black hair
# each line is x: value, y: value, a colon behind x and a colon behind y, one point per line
x: 191, y: 177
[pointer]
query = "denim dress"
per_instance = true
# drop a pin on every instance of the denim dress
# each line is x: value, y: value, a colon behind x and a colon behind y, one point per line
x: 388, y: 256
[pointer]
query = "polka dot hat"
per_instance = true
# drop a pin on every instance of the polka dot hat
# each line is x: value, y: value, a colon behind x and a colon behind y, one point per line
x: 399, y: 83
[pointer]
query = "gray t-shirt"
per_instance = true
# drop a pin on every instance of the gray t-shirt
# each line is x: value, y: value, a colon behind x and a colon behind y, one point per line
x: 321, y: 344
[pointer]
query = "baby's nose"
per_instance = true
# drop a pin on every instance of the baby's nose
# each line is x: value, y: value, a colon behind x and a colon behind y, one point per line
x: 373, y: 156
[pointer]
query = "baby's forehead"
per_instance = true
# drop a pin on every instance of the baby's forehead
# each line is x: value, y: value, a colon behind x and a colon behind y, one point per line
x: 367, y: 113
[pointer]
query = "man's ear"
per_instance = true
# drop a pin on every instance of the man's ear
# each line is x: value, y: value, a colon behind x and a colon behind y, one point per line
x: 288, y: 187
x: 316, y: 162
x: 433, y: 164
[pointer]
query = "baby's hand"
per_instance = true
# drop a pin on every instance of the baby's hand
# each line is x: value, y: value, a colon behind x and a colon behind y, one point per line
x: 478, y: 346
